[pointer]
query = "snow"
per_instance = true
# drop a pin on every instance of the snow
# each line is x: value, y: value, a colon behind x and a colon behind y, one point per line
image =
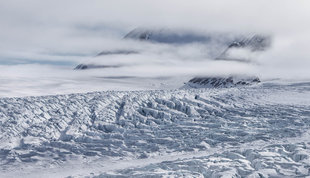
x: 252, y: 131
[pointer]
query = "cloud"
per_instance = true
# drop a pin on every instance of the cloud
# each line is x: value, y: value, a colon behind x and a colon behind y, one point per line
x: 288, y: 59
x: 57, y: 35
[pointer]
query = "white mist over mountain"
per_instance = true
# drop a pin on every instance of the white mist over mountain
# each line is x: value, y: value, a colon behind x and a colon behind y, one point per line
x: 58, y: 35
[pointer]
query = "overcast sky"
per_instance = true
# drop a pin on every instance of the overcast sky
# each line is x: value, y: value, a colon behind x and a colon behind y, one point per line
x: 66, y: 32
x: 79, y: 27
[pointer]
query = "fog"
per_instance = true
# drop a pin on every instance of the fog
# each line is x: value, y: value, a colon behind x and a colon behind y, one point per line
x: 42, y: 41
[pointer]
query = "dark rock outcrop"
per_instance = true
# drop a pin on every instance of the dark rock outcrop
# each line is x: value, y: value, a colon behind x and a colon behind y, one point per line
x: 117, y: 52
x: 253, y: 44
x: 217, y: 82
x: 167, y: 36
x: 93, y: 66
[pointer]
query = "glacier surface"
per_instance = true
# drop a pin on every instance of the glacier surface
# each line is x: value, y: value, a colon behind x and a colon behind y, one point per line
x: 254, y: 131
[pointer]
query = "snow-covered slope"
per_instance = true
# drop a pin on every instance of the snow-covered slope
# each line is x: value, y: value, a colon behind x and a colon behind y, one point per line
x: 260, y: 130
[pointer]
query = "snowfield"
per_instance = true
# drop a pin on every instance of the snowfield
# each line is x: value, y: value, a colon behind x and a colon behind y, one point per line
x: 253, y: 131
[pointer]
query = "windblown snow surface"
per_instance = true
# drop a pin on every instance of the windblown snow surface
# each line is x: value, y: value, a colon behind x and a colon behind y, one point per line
x: 254, y: 131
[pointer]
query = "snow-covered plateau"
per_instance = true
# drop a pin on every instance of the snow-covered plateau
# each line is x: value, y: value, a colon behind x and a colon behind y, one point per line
x: 260, y: 130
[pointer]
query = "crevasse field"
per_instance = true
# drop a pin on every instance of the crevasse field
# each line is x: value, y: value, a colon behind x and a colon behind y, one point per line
x: 254, y: 131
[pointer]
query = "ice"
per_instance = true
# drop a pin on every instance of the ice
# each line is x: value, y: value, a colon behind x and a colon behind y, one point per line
x: 206, y: 132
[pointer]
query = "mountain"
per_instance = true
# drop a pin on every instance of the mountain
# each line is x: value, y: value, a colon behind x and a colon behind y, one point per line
x: 117, y: 52
x: 219, y: 45
x: 255, y: 43
x: 167, y: 36
x: 221, y: 82
x: 94, y: 66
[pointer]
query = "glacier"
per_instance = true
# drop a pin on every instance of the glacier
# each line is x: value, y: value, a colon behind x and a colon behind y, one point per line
x: 260, y: 130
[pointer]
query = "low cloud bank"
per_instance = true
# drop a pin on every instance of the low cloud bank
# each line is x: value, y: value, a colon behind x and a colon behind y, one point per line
x: 41, y: 42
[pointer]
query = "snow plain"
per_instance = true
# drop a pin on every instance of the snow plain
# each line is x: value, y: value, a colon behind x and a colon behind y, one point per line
x: 253, y: 131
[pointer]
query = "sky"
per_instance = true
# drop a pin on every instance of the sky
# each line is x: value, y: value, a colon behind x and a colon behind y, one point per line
x: 44, y: 40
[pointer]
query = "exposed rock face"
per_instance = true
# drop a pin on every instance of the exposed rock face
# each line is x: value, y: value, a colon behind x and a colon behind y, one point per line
x: 103, y: 53
x: 167, y: 36
x: 255, y: 43
x: 217, y: 82
x: 117, y: 52
x: 93, y: 66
